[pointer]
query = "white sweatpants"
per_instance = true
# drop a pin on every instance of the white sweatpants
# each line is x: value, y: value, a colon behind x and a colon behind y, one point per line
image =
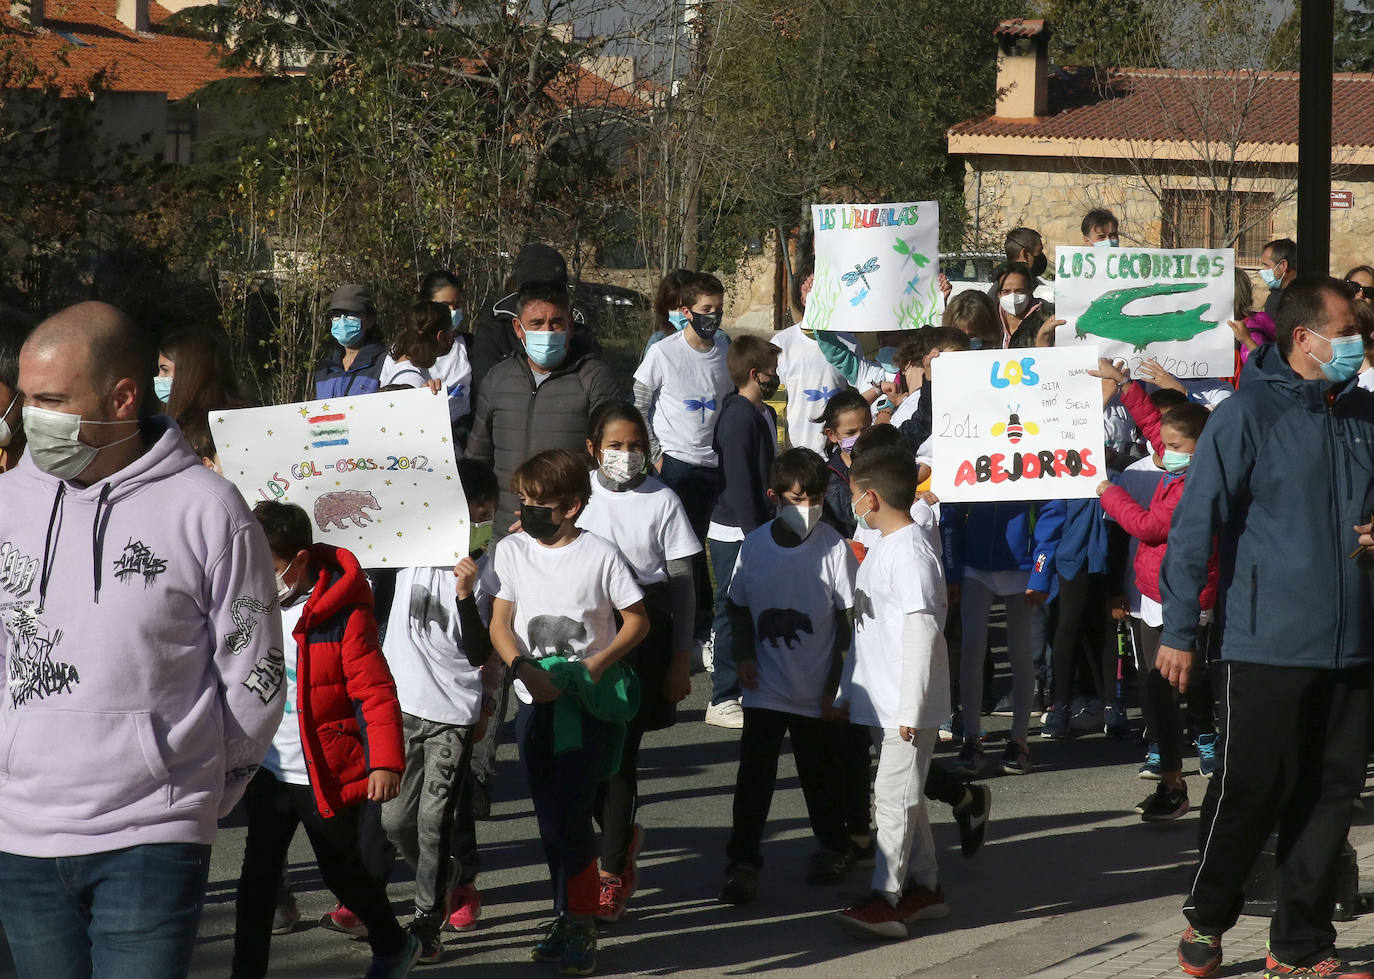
x: 905, y: 848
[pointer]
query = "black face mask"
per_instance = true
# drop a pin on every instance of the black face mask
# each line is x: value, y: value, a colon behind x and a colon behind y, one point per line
x: 706, y: 324
x: 1038, y: 265
x: 538, y: 522
x: 769, y: 388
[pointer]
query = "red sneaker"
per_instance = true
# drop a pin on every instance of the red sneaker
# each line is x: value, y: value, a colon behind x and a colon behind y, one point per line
x: 344, y: 921
x: 1332, y: 968
x: 611, y: 907
x: 922, y: 904
x: 465, y: 904
x: 872, y: 918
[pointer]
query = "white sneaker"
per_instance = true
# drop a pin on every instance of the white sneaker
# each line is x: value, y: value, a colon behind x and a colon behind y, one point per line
x: 704, y: 655
x: 727, y: 713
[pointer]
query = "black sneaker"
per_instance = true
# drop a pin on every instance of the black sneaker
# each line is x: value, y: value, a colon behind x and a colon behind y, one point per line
x: 741, y: 884
x: 551, y: 947
x: 864, y: 856
x: 425, y: 928
x: 1198, y: 954
x: 829, y: 866
x: 1164, y: 804
x: 579, y: 950
x: 972, y: 818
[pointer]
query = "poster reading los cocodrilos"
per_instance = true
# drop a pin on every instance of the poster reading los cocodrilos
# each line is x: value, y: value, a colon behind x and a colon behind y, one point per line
x: 1135, y: 304
x: 876, y: 266
x: 1016, y: 425
x: 376, y: 473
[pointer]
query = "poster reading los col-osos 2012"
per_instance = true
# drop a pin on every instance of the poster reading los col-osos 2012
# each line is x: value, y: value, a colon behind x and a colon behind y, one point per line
x: 376, y: 473
x: 1016, y: 425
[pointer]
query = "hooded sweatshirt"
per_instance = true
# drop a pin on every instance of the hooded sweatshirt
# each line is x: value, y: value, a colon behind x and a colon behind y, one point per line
x: 142, y: 649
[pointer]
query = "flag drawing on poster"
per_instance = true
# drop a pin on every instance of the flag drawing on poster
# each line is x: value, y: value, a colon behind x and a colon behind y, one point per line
x: 1136, y: 304
x: 876, y: 266
x: 375, y: 473
x: 1016, y: 425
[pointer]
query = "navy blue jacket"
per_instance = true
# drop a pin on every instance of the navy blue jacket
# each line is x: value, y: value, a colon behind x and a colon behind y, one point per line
x: 746, y: 442
x: 1083, y: 541
x: 332, y: 381
x: 839, y: 509
x: 1003, y: 537
x: 1281, y: 474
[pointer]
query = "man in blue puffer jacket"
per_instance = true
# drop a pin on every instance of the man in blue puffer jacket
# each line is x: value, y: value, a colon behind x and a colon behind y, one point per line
x: 1281, y: 475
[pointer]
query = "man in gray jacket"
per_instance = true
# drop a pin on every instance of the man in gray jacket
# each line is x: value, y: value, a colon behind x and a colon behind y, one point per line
x: 541, y: 396
x: 1281, y: 477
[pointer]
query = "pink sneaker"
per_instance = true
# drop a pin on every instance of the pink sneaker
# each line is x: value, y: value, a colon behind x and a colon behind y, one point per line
x: 466, y: 908
x: 344, y: 921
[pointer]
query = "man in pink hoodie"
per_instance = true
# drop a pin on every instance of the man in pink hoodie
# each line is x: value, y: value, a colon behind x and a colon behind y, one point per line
x: 142, y: 649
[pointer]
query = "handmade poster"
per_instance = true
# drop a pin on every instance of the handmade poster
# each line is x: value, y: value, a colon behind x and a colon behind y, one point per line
x: 1016, y: 425
x: 876, y: 266
x: 376, y: 473
x: 1135, y: 304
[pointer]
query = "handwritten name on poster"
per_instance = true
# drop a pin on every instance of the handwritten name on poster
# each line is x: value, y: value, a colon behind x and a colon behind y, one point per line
x: 376, y: 473
x: 876, y: 266
x: 1016, y: 425
x: 1135, y: 304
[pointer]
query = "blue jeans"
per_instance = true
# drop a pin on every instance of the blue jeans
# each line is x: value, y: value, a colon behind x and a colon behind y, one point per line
x: 724, y: 680
x: 131, y: 912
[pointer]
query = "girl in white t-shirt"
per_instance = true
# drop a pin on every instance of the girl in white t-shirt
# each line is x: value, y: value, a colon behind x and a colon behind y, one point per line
x: 427, y: 354
x: 553, y: 622
x: 647, y: 522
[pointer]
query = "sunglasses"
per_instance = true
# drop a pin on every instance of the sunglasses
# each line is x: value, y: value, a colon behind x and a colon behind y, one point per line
x: 1359, y: 291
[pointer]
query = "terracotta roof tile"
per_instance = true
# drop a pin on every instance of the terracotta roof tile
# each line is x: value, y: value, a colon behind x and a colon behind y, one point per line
x: 1179, y: 106
x: 1018, y: 27
x: 127, y: 61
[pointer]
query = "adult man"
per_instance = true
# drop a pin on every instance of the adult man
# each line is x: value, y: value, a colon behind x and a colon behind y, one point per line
x: 494, y: 336
x: 1277, y: 270
x: 143, y: 657
x: 538, y: 398
x: 1281, y: 475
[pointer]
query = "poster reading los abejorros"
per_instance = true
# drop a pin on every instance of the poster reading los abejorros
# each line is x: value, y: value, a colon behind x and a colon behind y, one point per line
x: 1134, y: 304
x: 376, y: 473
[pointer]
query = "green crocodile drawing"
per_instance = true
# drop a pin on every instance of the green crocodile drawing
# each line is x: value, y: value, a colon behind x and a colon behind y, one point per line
x: 1106, y: 316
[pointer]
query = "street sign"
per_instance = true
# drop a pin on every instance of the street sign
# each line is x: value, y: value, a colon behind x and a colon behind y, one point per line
x: 1342, y: 200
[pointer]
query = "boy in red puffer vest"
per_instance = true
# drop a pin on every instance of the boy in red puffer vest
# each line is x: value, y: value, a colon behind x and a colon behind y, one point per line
x: 339, y: 744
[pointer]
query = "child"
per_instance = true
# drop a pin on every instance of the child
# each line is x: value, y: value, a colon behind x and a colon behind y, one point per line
x: 436, y: 645
x: 427, y: 353
x: 339, y: 744
x: 559, y: 590
x: 914, y: 361
x: 791, y: 629
x: 646, y: 521
x: 896, y: 682
x: 668, y: 316
x: 844, y: 419
x: 1174, y: 436
x: 1101, y: 229
x: 746, y: 440
x: 810, y: 379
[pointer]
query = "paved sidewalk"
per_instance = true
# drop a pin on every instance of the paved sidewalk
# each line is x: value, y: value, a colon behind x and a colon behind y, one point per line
x: 1152, y: 953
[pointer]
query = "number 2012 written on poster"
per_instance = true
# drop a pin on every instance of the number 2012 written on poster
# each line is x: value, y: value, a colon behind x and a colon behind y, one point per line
x: 1016, y: 425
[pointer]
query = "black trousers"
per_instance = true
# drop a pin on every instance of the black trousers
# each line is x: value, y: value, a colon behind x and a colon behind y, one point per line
x: 1293, y: 756
x: 274, y: 810
x: 819, y: 767
x: 1082, y: 630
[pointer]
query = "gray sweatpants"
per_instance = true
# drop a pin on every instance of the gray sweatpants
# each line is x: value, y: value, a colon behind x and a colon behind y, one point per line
x: 423, y: 818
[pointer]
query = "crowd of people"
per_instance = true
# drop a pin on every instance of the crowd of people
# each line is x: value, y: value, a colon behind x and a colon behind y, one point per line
x: 626, y: 531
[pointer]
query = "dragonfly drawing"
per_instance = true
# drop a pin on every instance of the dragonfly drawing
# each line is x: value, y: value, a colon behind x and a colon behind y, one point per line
x: 822, y: 393
x: 861, y: 272
x: 703, y: 406
x: 903, y: 247
x: 911, y: 286
x: 855, y: 300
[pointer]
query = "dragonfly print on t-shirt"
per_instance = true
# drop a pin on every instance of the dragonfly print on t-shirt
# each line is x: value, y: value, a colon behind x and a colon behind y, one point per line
x: 702, y: 405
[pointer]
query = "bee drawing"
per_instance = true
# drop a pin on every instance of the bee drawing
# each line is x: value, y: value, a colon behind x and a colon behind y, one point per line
x: 1015, y: 428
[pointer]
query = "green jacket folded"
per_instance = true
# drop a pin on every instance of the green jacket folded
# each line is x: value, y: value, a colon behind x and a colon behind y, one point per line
x: 615, y: 700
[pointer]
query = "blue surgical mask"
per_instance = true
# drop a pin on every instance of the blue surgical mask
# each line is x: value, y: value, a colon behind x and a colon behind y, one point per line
x: 860, y: 518
x: 162, y: 387
x: 347, y: 329
x: 1268, y: 277
x: 1107, y: 243
x: 1175, y: 462
x: 457, y: 316
x: 547, y: 348
x: 1347, y: 354
x: 679, y: 320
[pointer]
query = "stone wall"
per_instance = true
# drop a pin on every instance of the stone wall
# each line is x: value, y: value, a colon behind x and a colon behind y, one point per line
x: 1051, y: 194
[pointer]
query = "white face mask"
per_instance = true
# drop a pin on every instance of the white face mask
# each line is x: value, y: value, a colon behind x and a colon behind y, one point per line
x: 620, y: 466
x: 284, y: 590
x: 801, y: 520
x: 55, y: 444
x: 7, y: 433
x: 1014, y: 303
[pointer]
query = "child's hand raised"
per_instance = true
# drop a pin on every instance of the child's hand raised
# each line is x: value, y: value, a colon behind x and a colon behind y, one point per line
x: 465, y: 577
x: 1114, y: 377
x: 1151, y: 371
x: 383, y: 786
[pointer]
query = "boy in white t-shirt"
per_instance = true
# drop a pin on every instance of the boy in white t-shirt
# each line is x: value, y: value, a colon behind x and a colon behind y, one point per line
x: 436, y: 644
x: 789, y: 596
x: 896, y: 682
x: 553, y: 624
